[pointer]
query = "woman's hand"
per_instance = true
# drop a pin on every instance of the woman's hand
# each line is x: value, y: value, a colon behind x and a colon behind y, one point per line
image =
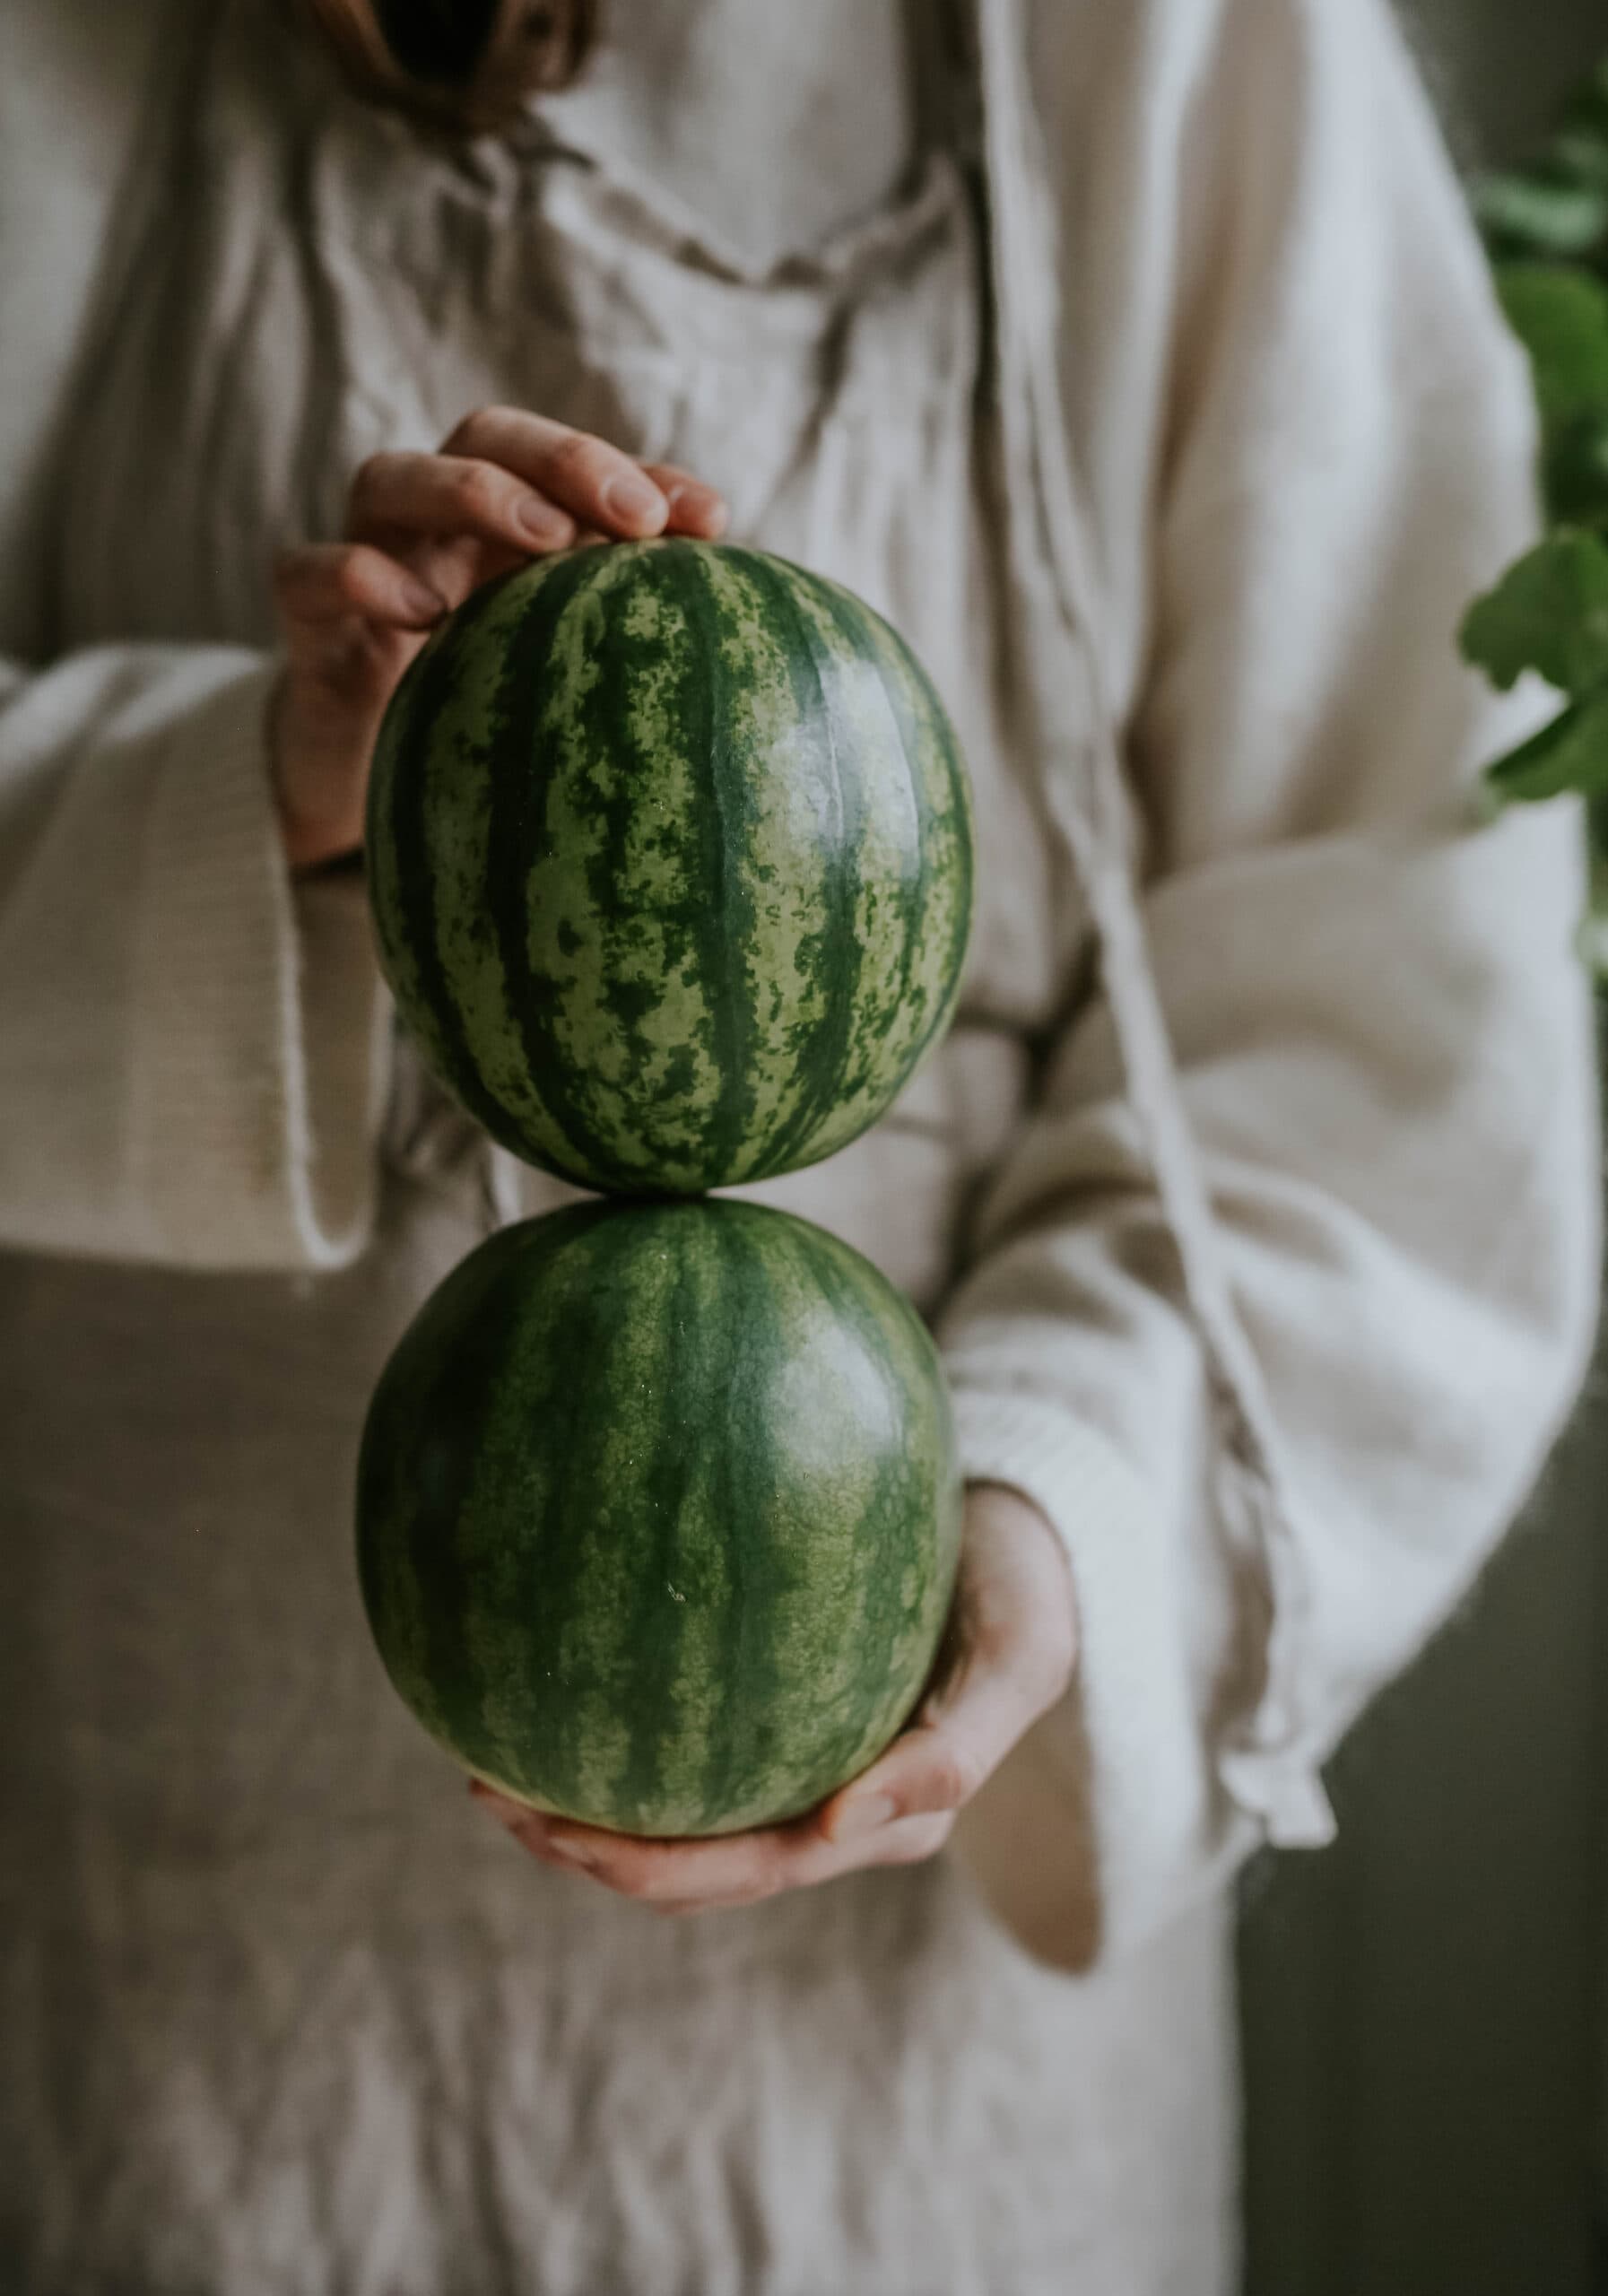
x: 1008, y: 1657
x: 422, y: 531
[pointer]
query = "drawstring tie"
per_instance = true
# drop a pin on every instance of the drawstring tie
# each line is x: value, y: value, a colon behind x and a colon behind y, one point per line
x: 1267, y: 1765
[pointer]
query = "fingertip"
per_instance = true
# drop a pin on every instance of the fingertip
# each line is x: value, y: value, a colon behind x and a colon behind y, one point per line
x: 861, y: 1815
x: 634, y: 505
x: 696, y: 510
x: 421, y: 605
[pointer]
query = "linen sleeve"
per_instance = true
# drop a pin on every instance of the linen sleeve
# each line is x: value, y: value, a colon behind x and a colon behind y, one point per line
x: 192, y: 1045
x: 1380, y: 1032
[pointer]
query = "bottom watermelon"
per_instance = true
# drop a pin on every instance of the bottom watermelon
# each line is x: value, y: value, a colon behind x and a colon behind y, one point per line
x: 658, y: 1514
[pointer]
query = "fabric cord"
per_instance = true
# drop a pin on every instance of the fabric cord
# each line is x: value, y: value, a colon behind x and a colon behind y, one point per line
x: 1266, y: 1763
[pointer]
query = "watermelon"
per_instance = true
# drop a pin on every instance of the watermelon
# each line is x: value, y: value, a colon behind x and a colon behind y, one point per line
x: 658, y: 1513
x: 670, y: 857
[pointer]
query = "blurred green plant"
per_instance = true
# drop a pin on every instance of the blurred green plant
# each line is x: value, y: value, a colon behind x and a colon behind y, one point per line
x: 1545, y: 226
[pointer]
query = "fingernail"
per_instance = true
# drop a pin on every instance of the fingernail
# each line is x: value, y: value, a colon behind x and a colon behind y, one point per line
x: 698, y: 502
x: 572, y: 1852
x: 421, y: 601
x: 629, y: 497
x: 549, y: 528
x: 866, y: 1814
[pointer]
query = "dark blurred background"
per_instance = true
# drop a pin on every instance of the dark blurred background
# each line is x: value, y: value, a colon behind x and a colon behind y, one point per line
x: 1498, y: 66
x: 1425, y: 2006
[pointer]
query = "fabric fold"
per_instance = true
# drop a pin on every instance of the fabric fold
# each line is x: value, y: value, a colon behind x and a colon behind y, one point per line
x: 201, y: 1043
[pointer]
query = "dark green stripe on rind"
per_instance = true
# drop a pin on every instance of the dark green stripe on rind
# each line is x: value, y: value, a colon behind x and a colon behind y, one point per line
x: 672, y: 863
x: 446, y: 755
x: 717, y: 900
x: 405, y: 873
x: 521, y: 838
x: 833, y: 951
x: 422, y: 1580
x: 658, y: 1513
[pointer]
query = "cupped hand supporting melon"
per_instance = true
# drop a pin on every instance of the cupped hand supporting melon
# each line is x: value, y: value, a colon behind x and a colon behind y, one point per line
x: 658, y: 1514
x: 670, y: 855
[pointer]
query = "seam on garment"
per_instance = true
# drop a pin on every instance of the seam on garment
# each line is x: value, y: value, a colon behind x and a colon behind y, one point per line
x: 1267, y: 1764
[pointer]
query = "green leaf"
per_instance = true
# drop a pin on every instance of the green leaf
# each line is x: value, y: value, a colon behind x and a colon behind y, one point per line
x: 1596, y: 822
x: 1571, y: 753
x: 1561, y: 315
x: 1580, y: 148
x: 1577, y: 471
x: 1535, y: 212
x: 1581, y: 143
x: 1549, y: 614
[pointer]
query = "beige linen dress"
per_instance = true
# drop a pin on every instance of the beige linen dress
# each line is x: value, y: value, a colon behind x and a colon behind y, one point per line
x: 294, y: 2016
x: 1267, y: 1277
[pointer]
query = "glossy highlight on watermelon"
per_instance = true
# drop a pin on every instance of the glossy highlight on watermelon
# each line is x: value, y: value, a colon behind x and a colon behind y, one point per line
x: 670, y: 857
x: 658, y: 1514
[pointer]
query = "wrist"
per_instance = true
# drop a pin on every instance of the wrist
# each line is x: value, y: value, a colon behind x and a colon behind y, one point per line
x: 316, y: 839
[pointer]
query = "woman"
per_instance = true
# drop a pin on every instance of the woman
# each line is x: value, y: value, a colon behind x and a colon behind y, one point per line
x: 1139, y: 364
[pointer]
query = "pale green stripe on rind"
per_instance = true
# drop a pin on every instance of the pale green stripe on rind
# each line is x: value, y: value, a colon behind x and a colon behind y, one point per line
x: 781, y: 860
x: 590, y: 951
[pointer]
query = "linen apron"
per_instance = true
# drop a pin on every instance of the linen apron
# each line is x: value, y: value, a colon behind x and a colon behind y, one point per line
x: 283, y: 2011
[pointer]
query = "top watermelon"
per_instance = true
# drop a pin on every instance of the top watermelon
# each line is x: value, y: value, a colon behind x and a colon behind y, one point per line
x: 670, y: 855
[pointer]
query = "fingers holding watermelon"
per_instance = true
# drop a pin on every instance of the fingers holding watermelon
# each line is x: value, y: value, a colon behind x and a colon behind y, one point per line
x: 1007, y: 1659
x: 423, y: 530
x: 455, y: 506
x: 732, y: 1870
x: 584, y: 478
x: 694, y: 508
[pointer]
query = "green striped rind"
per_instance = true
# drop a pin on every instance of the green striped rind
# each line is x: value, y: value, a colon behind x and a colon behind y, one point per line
x: 658, y: 1512
x: 671, y: 861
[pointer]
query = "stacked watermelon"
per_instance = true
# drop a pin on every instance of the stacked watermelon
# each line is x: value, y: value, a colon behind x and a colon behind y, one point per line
x: 670, y: 859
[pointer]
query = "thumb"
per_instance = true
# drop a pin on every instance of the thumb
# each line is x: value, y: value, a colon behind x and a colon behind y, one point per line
x: 1011, y: 1645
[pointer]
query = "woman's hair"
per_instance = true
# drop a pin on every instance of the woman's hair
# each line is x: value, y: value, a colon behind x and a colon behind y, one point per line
x: 467, y: 65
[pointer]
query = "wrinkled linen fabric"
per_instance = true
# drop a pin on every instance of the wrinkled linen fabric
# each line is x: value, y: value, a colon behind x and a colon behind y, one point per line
x: 1165, y: 408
